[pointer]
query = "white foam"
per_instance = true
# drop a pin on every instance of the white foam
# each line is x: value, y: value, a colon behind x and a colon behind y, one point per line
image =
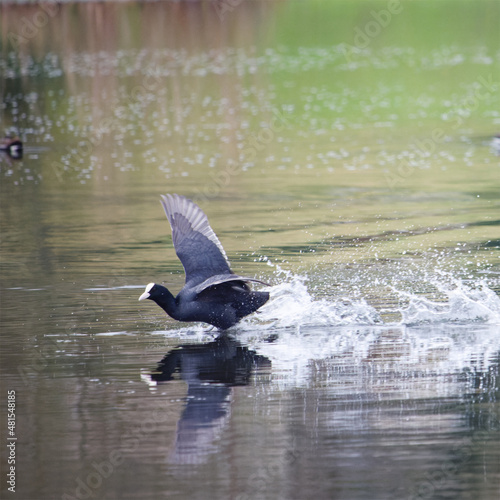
x: 292, y: 305
x: 462, y: 303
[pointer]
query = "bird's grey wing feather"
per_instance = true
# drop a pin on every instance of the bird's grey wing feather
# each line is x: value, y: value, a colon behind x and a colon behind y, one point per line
x: 223, y: 278
x: 195, y: 242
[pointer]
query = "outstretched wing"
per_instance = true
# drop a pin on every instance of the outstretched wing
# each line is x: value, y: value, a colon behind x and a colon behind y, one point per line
x: 195, y: 242
x: 224, y: 278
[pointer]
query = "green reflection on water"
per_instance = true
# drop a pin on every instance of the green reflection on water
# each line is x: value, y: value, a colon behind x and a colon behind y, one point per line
x: 329, y: 131
x: 364, y: 167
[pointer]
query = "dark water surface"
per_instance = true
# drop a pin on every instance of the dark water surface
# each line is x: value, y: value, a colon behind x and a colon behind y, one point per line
x: 344, y: 153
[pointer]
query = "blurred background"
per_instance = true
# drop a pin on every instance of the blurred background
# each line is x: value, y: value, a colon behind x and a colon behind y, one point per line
x: 344, y: 152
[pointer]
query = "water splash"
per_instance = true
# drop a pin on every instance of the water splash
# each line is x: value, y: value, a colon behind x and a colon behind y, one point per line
x: 431, y: 298
x: 460, y: 303
x: 447, y: 327
x: 435, y: 295
x: 292, y: 304
x: 407, y: 298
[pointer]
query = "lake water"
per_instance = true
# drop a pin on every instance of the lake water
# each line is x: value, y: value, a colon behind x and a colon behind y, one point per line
x: 344, y: 153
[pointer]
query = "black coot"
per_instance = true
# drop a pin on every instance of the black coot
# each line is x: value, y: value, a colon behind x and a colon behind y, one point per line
x: 212, y: 293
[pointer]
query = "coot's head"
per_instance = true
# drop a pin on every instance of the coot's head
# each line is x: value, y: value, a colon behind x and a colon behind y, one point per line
x: 153, y: 292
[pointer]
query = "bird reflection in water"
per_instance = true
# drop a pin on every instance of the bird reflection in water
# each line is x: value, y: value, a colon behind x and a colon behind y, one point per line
x: 212, y: 371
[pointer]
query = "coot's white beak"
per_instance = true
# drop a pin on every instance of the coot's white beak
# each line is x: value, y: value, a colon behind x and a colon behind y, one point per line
x: 146, y: 293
